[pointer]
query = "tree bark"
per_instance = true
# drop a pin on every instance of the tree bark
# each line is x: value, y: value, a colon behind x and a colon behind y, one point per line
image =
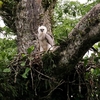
x: 80, y: 39
x: 31, y: 14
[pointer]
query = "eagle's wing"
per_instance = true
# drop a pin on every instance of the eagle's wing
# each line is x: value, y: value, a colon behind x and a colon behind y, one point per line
x: 49, y: 39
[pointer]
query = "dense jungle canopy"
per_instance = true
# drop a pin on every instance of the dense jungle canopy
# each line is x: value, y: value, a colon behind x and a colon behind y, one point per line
x: 71, y: 72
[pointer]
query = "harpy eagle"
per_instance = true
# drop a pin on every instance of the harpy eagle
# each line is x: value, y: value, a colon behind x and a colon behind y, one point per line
x: 46, y: 41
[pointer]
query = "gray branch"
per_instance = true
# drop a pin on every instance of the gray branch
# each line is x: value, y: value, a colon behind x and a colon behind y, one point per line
x: 81, y: 38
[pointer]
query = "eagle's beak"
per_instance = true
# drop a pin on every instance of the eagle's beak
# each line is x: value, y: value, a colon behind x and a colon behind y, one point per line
x: 41, y: 30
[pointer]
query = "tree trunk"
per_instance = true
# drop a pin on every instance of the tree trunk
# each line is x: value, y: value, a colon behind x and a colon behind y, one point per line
x: 31, y: 14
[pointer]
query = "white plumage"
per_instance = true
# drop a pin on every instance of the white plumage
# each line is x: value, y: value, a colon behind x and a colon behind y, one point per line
x: 46, y: 41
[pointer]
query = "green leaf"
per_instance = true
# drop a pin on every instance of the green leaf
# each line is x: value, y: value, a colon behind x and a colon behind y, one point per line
x: 95, y: 46
x: 85, y: 61
x: 23, y: 64
x: 92, y: 70
x: 23, y: 55
x: 7, y: 70
x: 1, y: 58
x: 24, y: 75
x: 30, y: 49
x: 99, y: 44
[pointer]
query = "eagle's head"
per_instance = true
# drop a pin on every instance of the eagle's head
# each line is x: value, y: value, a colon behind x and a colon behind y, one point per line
x: 42, y: 29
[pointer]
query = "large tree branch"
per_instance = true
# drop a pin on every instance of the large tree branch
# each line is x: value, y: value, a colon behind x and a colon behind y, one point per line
x: 81, y: 38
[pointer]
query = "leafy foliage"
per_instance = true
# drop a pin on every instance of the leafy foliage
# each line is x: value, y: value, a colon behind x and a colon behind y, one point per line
x: 26, y: 81
x: 7, y: 51
x: 8, y: 12
x: 66, y: 18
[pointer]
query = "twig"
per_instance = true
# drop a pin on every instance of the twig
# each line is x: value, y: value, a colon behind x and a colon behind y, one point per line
x: 43, y: 74
x: 60, y: 83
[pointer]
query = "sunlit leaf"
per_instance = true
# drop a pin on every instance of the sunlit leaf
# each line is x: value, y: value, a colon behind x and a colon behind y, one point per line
x: 30, y: 49
x: 7, y: 70
x: 99, y: 44
x: 1, y: 3
x: 24, y: 75
x: 23, y: 64
x: 92, y: 70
